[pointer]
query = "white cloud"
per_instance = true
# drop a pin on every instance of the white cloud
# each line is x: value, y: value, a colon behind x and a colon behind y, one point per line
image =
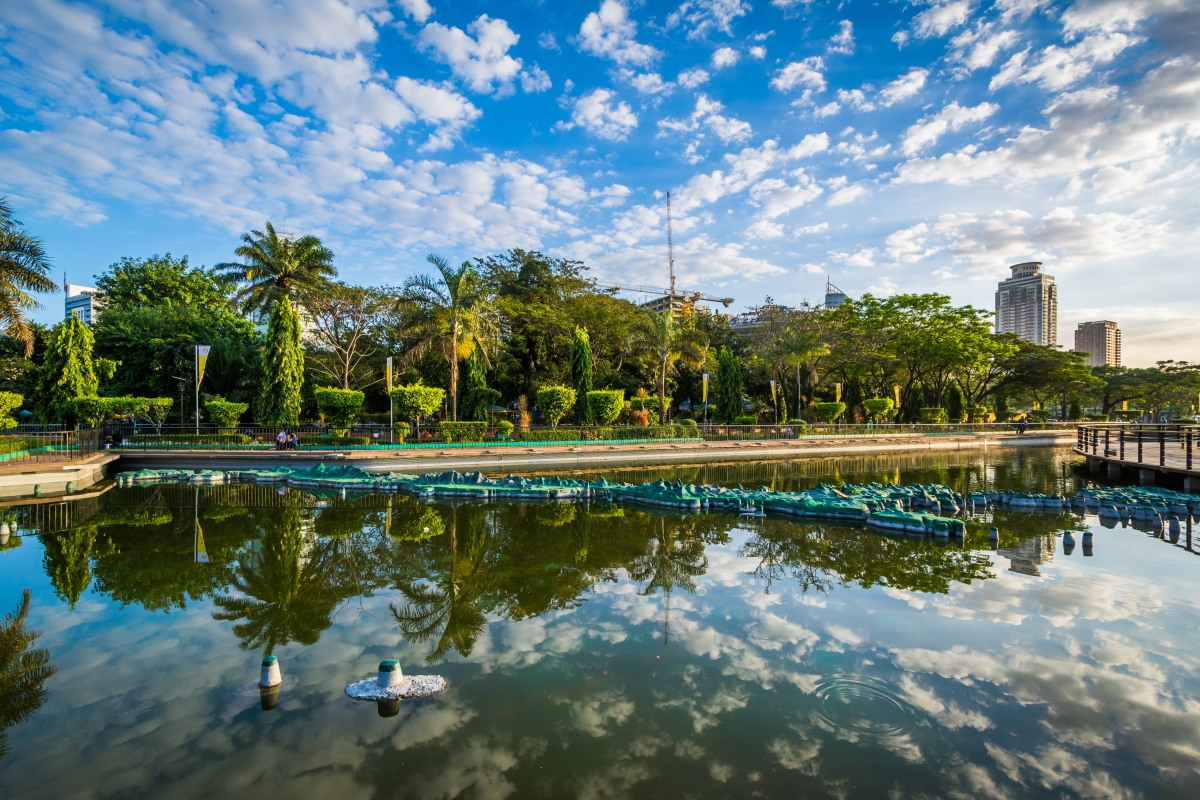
x: 535, y: 80
x: 691, y: 78
x: 953, y: 117
x: 827, y: 110
x: 811, y: 144
x: 765, y: 230
x: 609, y: 33
x: 483, y: 61
x: 938, y: 19
x: 547, y: 41
x: 807, y: 73
x: 596, y: 113
x: 864, y: 257
x: 776, y: 197
x: 419, y: 10
x: 908, y: 246
x: 1059, y: 67
x: 725, y: 57
x: 843, y: 40
x: 648, y: 83
x: 758, y: 52
x: 978, y: 48
x: 707, y: 113
x: 904, y: 87
x: 855, y: 98
x: 704, y: 16
x: 847, y: 195
x: 449, y: 111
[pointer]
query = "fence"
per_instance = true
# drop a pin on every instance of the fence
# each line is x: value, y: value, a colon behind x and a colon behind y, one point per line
x: 1170, y: 446
x: 18, y: 447
x: 377, y: 437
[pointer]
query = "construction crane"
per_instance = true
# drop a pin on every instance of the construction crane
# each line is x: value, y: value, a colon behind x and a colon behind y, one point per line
x: 687, y: 299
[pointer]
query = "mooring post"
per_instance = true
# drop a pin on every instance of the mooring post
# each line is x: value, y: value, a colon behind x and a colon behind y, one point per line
x: 1162, y: 448
x: 1189, y: 451
x: 1139, y: 442
x: 1121, y: 437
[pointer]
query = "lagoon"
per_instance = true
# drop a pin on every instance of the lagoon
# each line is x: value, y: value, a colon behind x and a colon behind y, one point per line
x: 602, y: 651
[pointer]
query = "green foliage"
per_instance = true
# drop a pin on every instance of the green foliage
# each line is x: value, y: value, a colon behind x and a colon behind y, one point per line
x: 662, y: 339
x: 413, y: 522
x: 955, y: 404
x: 1100, y: 418
x: 416, y: 400
x: 283, y: 367
x: 608, y: 434
x: 581, y: 376
x: 1129, y: 414
x: 649, y: 403
x: 275, y: 268
x: 88, y: 411
x: 477, y: 397
x: 977, y: 413
x: 688, y: 423
x: 605, y: 405
x: 829, y: 412
x: 933, y: 416
x: 23, y: 670
x: 156, y: 409
x: 555, y: 402
x: 879, y: 408
x: 225, y: 415
x: 462, y: 431
x: 23, y: 269
x: 729, y: 387
x: 157, y: 281
x: 9, y: 402
x: 799, y: 422
x: 746, y: 419
x: 68, y: 371
x: 504, y: 428
x: 339, y: 407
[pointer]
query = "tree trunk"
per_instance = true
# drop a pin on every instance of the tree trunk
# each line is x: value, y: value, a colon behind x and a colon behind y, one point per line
x: 454, y: 372
x: 662, y: 393
x: 799, y: 397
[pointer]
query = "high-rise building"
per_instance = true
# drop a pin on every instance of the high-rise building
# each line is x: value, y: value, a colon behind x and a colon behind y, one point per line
x: 83, y: 302
x: 1027, y: 305
x: 1101, y: 341
x: 834, y: 296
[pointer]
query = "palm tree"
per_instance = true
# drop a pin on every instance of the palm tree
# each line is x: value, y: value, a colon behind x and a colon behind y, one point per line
x: 799, y: 351
x: 661, y: 337
x: 669, y: 562
x: 451, y: 313
x: 274, y: 267
x: 23, y: 268
x: 22, y: 671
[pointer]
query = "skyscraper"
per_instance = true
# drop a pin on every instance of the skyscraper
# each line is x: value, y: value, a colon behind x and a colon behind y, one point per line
x: 1027, y: 305
x: 83, y: 302
x: 1101, y: 341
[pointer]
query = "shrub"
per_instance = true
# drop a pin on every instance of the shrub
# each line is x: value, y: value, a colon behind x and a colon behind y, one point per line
x: 504, y: 428
x: 605, y: 405
x: 555, y: 401
x: 88, y: 410
x: 462, y: 431
x: 650, y: 403
x: 977, y: 413
x: 156, y: 410
x: 829, y: 412
x: 1178, y: 420
x: 879, y: 408
x: 798, y: 422
x: 688, y: 423
x: 9, y: 402
x: 1129, y: 414
x: 329, y: 440
x: 339, y: 407
x: 169, y: 439
x: 416, y: 400
x: 747, y: 419
x: 933, y: 416
x: 1098, y: 417
x: 223, y: 414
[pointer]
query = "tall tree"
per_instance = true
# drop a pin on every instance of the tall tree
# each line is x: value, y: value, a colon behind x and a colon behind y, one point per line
x: 662, y: 339
x: 729, y: 387
x: 477, y: 398
x: 283, y: 367
x: 798, y: 351
x: 23, y: 268
x: 275, y: 267
x: 581, y: 374
x: 452, y: 314
x: 68, y: 371
x: 343, y: 321
x: 135, y: 283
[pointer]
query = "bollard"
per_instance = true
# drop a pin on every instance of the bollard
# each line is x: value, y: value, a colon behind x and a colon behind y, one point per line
x: 37, y: 490
x: 1174, y: 524
x: 270, y: 675
x: 1068, y: 541
x: 390, y: 675
x: 268, y: 697
x: 4, y: 533
x: 388, y: 708
x: 70, y: 487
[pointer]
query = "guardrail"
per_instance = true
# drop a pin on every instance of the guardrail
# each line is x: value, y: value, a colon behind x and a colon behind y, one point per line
x: 1167, y: 446
x: 19, y: 447
x: 374, y: 437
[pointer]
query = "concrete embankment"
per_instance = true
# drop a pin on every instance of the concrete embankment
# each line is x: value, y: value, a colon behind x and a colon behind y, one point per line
x: 542, y: 457
x: 32, y: 479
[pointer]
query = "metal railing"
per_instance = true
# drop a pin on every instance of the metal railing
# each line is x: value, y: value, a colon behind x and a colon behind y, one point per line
x: 20, y: 447
x: 376, y: 437
x: 1167, y: 446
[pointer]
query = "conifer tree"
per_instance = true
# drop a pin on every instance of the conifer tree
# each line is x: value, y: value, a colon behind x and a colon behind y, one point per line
x: 729, y: 387
x: 67, y: 371
x: 581, y: 374
x: 477, y: 398
x: 283, y: 367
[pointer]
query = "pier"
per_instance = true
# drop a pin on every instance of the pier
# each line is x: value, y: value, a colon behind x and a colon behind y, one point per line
x: 1155, y: 452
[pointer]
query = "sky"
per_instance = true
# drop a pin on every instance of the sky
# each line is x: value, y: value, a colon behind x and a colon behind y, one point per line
x: 891, y: 146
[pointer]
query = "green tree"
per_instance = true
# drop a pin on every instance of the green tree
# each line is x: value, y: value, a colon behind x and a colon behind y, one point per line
x: 157, y: 281
x: 275, y: 268
x: 555, y: 402
x: 955, y: 403
x: 23, y: 268
x: 68, y: 371
x: 581, y: 374
x: 662, y: 339
x: 415, y: 400
x: 798, y: 351
x: 477, y: 397
x: 340, y: 407
x: 283, y: 367
x: 451, y: 314
x: 68, y: 561
x: 23, y: 671
x: 345, y: 320
x: 729, y: 387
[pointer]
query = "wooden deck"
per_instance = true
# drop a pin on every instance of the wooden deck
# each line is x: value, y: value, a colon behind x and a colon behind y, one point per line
x: 1152, y: 450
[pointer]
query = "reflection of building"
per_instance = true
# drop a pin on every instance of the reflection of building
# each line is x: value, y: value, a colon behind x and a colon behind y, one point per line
x: 1027, y: 305
x: 83, y: 302
x: 1026, y: 556
x: 834, y: 296
x: 1101, y: 341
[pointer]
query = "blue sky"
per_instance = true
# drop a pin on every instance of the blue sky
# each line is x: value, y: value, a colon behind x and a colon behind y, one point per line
x: 893, y: 146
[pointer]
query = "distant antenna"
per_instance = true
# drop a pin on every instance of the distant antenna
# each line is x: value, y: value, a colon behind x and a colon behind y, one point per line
x: 670, y: 252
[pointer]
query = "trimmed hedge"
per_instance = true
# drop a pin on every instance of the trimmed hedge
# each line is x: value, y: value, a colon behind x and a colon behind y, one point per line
x: 555, y: 402
x: 416, y: 400
x: 91, y: 410
x: 746, y: 419
x: 225, y: 415
x: 878, y: 408
x: 688, y: 423
x: 504, y: 428
x: 333, y: 440
x: 339, y: 407
x: 462, y: 431
x: 190, y: 438
x: 828, y: 412
x: 606, y: 434
x: 9, y: 402
x: 606, y: 405
x: 934, y: 416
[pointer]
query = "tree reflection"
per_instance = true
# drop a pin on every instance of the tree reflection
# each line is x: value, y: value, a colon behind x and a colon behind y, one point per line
x: 23, y: 671
x: 675, y: 557
x: 68, y: 561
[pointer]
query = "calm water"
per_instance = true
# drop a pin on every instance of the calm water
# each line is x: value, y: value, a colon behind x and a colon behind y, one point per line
x: 601, y: 652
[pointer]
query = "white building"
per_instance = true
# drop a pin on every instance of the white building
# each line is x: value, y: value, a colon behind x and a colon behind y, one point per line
x: 83, y: 302
x: 1027, y: 305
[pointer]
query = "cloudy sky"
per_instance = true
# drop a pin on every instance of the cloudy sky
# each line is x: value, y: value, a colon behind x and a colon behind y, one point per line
x: 893, y: 146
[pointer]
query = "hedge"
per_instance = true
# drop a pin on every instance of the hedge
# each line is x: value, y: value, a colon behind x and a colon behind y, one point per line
x: 416, y: 400
x: 745, y: 420
x: 190, y: 438
x: 934, y: 416
x: 339, y: 407
x: 9, y: 402
x: 504, y: 428
x: 555, y: 401
x: 829, y: 412
x: 91, y: 410
x: 605, y: 405
x: 328, y: 440
x: 462, y: 431
x: 605, y: 434
x: 878, y: 408
x: 225, y: 415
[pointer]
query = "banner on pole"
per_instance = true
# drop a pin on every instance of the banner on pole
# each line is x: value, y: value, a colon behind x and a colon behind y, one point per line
x: 201, y: 550
x: 838, y: 393
x: 773, y: 400
x: 704, y: 390
x: 201, y: 359
x: 896, y: 386
x: 389, y: 374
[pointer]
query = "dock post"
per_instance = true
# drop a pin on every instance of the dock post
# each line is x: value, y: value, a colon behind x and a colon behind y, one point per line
x: 1162, y: 448
x: 1139, y: 443
x: 1121, y: 437
x: 1146, y: 477
x: 1114, y: 471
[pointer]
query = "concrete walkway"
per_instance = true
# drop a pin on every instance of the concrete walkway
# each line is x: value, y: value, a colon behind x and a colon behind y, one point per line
x: 54, y: 478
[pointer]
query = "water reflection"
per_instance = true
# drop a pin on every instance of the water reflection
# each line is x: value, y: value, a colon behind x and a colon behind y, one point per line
x: 23, y: 671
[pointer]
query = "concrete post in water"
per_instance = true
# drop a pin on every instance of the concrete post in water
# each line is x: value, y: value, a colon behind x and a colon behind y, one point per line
x: 1068, y: 541
x: 388, y: 708
x: 1087, y: 543
x: 1146, y: 477
x: 994, y: 537
x: 270, y: 673
x: 4, y: 533
x: 1173, y: 525
x: 268, y: 698
x: 1114, y: 471
x: 1094, y: 465
x: 389, y: 674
